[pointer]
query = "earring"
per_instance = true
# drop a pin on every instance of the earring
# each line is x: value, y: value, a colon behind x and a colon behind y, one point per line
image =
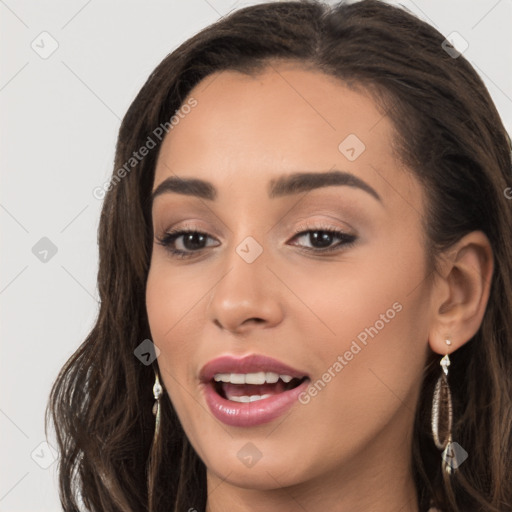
x: 154, y: 457
x: 442, y: 408
x: 157, y: 393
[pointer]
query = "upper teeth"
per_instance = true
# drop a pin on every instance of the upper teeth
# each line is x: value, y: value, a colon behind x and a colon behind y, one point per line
x: 251, y: 378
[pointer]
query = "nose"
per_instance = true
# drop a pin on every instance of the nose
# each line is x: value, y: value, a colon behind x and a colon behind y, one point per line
x: 248, y: 296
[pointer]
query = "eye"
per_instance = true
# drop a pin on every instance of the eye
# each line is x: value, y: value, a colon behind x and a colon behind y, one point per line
x: 322, y: 238
x: 189, y: 242
x: 183, y: 243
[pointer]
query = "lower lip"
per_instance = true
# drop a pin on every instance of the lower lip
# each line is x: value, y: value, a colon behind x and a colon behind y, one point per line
x: 250, y: 414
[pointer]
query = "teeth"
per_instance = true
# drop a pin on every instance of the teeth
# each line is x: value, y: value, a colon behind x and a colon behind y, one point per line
x: 271, y: 377
x: 246, y: 398
x: 222, y: 377
x: 237, y: 378
x: 255, y: 378
x: 251, y: 378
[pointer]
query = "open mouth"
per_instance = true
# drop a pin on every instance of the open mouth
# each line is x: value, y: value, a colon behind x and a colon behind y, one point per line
x: 251, y: 387
x: 251, y: 390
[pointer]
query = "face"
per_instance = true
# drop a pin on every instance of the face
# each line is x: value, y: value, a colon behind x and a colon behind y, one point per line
x: 324, y: 274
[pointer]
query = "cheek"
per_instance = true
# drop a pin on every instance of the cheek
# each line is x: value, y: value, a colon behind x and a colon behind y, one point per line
x: 367, y: 332
x: 366, y: 296
x: 170, y: 303
x: 368, y: 372
x: 171, y: 297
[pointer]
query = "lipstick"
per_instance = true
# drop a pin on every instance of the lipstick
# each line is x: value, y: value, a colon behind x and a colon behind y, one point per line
x: 250, y: 390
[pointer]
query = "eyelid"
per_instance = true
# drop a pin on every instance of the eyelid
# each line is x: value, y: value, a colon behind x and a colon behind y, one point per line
x: 322, y: 226
x: 192, y: 225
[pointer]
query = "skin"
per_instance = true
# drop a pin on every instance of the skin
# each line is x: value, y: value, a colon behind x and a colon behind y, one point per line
x: 348, y: 449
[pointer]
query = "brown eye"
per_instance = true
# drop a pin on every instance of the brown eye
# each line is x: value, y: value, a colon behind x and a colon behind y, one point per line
x: 183, y: 243
x: 321, y: 240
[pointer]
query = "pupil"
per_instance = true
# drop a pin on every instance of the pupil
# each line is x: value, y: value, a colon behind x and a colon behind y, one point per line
x: 322, y: 241
x: 191, y: 241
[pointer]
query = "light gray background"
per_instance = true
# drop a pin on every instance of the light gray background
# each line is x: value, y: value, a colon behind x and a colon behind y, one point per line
x: 59, y: 122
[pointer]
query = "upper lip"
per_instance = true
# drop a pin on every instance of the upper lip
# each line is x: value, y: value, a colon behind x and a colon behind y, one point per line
x: 247, y: 364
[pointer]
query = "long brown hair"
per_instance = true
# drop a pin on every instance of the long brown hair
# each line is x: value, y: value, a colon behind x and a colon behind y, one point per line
x: 448, y: 133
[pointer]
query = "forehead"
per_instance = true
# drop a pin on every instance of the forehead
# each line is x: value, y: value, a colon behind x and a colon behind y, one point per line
x: 284, y: 116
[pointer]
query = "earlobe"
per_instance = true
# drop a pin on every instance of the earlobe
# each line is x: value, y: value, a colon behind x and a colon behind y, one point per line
x: 461, y: 292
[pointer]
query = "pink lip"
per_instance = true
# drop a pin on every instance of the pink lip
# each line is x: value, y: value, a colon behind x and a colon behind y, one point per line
x: 252, y: 413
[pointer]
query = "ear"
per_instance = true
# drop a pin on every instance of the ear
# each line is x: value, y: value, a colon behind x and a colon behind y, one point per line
x: 460, y: 292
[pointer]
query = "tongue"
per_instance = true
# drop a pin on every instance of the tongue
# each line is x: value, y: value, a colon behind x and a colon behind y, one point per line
x: 253, y: 389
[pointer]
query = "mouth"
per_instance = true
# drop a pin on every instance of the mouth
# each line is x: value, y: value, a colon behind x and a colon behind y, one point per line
x: 252, y: 390
x: 252, y: 387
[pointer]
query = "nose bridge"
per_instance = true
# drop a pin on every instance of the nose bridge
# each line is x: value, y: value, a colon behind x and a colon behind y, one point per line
x: 243, y: 291
x: 244, y: 276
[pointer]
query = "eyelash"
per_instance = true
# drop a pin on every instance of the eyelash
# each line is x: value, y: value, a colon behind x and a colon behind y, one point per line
x: 346, y: 240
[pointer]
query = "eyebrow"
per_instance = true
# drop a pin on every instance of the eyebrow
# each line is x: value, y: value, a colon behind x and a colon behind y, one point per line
x: 282, y: 186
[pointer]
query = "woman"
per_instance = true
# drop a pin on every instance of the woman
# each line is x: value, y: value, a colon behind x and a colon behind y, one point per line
x: 308, y: 224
